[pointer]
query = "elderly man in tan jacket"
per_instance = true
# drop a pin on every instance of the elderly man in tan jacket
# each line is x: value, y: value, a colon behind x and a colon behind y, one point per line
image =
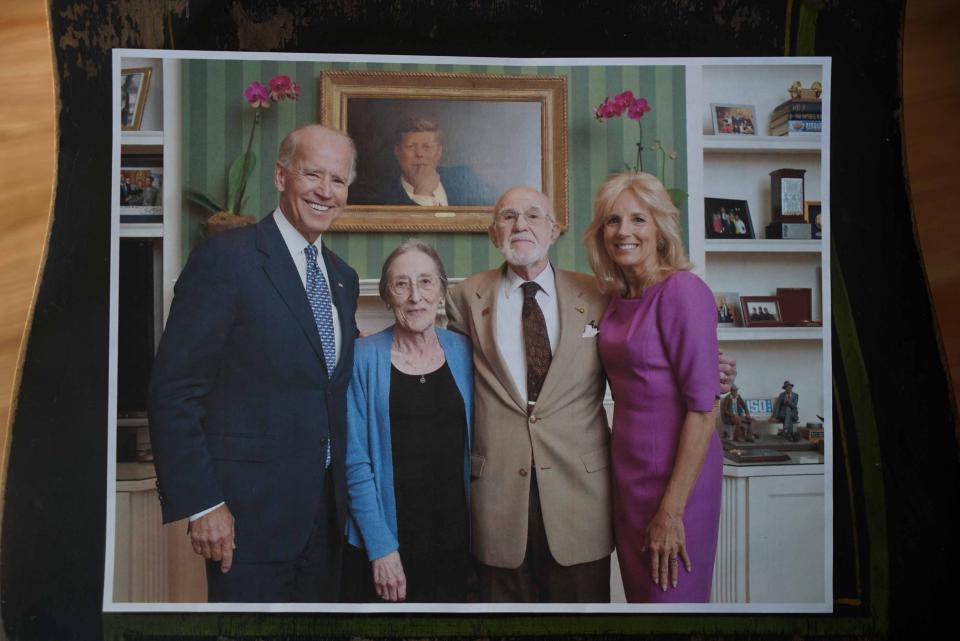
x: 541, y: 503
x: 541, y: 485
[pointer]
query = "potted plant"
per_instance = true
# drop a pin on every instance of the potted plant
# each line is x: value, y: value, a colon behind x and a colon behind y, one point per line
x: 225, y: 212
x: 634, y: 108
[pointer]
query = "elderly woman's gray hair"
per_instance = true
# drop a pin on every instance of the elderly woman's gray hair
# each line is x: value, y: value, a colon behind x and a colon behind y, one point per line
x: 412, y: 244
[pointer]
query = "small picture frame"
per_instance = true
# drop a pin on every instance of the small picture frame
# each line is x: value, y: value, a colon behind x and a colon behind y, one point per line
x: 727, y: 218
x: 733, y: 120
x: 134, y: 86
x: 787, y: 195
x: 761, y: 311
x: 811, y: 214
x: 141, y: 190
x: 728, y: 308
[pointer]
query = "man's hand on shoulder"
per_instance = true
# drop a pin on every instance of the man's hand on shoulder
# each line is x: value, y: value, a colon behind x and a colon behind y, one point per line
x: 212, y: 537
x: 728, y: 372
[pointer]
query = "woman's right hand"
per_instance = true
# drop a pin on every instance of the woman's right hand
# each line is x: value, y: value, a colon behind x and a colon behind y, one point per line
x: 388, y: 577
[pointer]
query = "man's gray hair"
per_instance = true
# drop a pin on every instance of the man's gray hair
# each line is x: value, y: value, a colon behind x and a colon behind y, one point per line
x: 288, y: 147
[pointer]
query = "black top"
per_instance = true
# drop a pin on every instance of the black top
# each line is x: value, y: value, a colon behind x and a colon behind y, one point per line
x: 428, y: 432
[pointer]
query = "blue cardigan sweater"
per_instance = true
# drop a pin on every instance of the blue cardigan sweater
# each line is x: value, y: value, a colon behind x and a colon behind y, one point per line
x: 373, y: 508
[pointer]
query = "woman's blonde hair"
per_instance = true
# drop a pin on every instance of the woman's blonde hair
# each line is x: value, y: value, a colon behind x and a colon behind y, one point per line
x: 671, y: 255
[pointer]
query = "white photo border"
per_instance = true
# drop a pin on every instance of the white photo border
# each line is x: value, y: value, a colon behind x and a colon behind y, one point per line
x: 695, y: 218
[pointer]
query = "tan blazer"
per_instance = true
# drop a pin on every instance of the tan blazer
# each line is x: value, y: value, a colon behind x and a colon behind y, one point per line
x: 566, y: 435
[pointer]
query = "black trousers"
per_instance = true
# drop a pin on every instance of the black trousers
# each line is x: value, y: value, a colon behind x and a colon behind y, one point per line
x: 312, y: 577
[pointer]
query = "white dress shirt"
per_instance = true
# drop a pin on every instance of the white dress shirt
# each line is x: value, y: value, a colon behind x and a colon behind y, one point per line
x: 509, y: 336
x: 296, y: 244
x: 437, y: 198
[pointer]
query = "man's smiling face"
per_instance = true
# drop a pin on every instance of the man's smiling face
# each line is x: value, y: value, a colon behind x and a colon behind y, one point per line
x: 313, y: 184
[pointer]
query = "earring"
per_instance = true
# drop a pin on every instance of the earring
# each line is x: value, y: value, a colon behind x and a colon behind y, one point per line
x: 661, y: 245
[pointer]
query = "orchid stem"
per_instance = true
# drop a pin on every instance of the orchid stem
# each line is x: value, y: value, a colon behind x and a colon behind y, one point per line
x: 246, y: 161
x: 640, y: 148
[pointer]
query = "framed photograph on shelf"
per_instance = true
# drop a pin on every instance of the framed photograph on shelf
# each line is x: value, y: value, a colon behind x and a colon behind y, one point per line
x: 727, y: 218
x: 436, y: 149
x: 761, y: 311
x: 733, y: 120
x: 811, y: 214
x: 134, y: 85
x: 728, y: 308
x: 141, y: 190
x: 786, y: 195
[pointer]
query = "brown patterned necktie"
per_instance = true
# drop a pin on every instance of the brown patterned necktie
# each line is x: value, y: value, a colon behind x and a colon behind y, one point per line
x: 536, y: 341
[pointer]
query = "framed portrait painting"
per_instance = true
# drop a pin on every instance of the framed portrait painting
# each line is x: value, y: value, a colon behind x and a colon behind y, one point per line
x: 435, y: 149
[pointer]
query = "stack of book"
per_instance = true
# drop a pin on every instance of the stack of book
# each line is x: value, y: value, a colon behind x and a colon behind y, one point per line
x: 797, y: 118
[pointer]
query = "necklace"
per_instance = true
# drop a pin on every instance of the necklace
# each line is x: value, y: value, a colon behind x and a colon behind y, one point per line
x: 429, y: 359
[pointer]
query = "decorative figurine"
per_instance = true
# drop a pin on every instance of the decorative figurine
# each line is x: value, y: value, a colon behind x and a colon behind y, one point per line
x: 733, y: 411
x: 797, y: 92
x: 785, y: 411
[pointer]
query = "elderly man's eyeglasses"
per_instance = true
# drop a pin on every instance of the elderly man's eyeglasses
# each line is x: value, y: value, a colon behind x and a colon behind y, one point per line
x: 403, y: 286
x: 509, y: 217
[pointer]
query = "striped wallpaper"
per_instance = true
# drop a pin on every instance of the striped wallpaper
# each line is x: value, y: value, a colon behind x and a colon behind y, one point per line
x: 217, y: 121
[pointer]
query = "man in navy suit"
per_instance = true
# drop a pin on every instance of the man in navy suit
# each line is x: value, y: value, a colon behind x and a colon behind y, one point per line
x: 247, y: 397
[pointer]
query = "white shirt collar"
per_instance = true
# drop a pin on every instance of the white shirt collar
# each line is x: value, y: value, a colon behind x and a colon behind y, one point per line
x: 546, y: 279
x: 436, y: 199
x: 295, y: 241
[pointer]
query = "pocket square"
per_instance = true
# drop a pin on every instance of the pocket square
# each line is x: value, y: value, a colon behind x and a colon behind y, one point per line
x: 590, y: 330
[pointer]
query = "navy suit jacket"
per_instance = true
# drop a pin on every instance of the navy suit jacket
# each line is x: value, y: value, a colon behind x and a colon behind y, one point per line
x: 240, y: 401
x: 461, y: 183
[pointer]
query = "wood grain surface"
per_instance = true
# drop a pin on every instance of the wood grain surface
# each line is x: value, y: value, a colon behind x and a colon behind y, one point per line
x: 27, y: 172
x: 931, y: 84
x: 931, y: 103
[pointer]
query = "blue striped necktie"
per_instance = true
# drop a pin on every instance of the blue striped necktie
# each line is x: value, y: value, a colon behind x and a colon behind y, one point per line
x: 318, y: 293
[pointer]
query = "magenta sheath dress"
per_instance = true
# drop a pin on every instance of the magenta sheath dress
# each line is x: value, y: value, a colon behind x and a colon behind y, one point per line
x: 660, y: 355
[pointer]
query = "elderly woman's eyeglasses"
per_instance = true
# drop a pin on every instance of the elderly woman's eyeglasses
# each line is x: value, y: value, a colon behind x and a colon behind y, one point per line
x: 403, y: 286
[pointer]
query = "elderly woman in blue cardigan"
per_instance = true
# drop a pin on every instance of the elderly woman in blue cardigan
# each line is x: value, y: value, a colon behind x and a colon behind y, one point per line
x: 410, y: 409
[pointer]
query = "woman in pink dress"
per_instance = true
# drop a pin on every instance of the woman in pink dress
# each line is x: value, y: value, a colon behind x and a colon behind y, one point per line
x: 658, y: 344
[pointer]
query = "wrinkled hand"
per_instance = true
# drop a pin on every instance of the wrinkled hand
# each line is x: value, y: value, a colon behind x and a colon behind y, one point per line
x: 728, y: 372
x: 664, y: 539
x: 212, y: 537
x: 388, y: 577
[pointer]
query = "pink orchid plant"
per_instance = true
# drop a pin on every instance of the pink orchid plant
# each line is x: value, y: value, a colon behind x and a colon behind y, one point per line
x: 278, y: 89
x: 635, y: 108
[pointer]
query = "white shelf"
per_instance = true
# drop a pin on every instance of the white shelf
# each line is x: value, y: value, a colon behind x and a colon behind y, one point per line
x: 141, y: 230
x: 770, y: 333
x: 761, y: 144
x: 141, y: 138
x: 763, y: 246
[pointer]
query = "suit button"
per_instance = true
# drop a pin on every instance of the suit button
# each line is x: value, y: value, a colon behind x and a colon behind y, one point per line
x: 533, y: 419
x: 523, y: 472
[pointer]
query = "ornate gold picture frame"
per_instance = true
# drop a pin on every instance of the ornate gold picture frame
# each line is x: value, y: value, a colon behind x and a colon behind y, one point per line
x: 489, y: 133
